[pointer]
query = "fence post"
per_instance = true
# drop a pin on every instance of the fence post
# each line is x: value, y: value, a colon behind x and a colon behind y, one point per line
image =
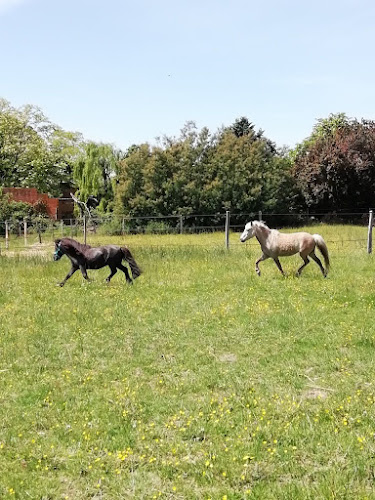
x: 123, y: 226
x: 181, y: 224
x: 260, y: 215
x: 6, y: 235
x: 25, y: 230
x: 85, y: 229
x: 227, y: 223
x: 369, y: 232
x: 39, y: 231
x: 62, y: 228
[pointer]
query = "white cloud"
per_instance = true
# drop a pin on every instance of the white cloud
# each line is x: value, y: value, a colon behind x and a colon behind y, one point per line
x: 9, y: 4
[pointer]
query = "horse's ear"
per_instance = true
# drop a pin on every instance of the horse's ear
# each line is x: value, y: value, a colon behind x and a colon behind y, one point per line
x: 57, y: 242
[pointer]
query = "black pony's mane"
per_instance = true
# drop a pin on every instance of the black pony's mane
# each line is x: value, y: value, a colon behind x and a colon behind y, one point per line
x: 76, y: 245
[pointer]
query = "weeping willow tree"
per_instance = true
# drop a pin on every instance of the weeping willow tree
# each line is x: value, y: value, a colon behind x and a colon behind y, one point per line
x: 94, y: 171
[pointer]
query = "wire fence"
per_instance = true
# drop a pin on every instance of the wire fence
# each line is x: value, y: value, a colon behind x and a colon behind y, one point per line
x: 26, y: 233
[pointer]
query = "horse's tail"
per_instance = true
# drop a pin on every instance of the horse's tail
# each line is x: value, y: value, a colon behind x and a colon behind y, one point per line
x: 132, y: 263
x: 321, y: 244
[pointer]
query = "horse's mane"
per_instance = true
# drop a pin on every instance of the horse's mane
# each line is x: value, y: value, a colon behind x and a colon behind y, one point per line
x: 260, y: 223
x: 76, y: 245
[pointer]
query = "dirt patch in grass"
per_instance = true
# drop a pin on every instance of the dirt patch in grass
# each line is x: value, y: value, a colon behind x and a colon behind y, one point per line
x: 315, y: 393
x: 228, y: 358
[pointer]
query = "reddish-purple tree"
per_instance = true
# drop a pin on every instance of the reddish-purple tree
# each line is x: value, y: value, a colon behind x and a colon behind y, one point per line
x: 336, y: 170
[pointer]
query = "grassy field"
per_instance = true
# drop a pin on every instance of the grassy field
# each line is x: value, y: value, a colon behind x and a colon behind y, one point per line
x: 200, y: 381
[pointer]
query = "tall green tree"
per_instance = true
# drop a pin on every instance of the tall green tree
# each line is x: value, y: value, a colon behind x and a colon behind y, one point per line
x: 204, y: 173
x: 33, y: 151
x: 242, y: 126
x: 94, y: 172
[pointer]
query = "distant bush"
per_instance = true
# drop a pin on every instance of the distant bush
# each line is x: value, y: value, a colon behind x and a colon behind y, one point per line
x: 158, y: 227
x: 113, y: 227
x: 13, y: 210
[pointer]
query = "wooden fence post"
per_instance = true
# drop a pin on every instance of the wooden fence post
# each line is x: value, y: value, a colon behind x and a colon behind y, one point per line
x: 369, y: 232
x: 181, y: 224
x: 25, y: 230
x: 85, y: 229
x: 6, y: 235
x: 260, y: 215
x: 227, y: 223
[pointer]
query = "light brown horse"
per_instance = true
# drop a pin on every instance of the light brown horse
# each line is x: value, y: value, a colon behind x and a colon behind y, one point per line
x: 275, y: 245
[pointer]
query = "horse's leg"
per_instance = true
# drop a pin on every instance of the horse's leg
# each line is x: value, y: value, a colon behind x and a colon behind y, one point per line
x: 306, y: 261
x: 126, y: 272
x: 70, y: 273
x: 113, y: 272
x: 277, y: 262
x: 319, y: 262
x: 84, y: 273
x: 263, y: 257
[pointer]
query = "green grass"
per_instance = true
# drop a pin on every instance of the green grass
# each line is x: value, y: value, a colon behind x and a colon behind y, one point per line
x: 200, y: 381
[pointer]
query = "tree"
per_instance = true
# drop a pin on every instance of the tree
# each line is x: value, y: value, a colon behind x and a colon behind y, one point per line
x: 130, y: 191
x: 324, y: 129
x: 204, y: 173
x: 336, y: 167
x: 94, y: 172
x: 33, y: 151
x: 64, y: 150
x: 242, y: 127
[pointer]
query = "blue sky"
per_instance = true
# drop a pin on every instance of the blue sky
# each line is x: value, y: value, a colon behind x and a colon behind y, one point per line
x: 126, y: 72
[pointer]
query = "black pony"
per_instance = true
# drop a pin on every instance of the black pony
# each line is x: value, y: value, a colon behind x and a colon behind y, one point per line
x: 85, y: 257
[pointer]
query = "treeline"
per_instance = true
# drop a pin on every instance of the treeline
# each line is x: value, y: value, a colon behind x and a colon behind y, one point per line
x: 204, y: 173
x: 199, y: 172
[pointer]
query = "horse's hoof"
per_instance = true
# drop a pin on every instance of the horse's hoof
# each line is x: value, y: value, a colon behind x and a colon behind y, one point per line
x: 60, y: 284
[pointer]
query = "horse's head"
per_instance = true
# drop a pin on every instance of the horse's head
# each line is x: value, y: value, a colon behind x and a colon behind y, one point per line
x: 58, y: 251
x: 248, y: 232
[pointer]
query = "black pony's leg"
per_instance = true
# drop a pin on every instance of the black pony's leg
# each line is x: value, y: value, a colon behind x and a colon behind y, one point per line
x: 84, y: 273
x: 126, y: 272
x: 70, y: 273
x: 113, y: 272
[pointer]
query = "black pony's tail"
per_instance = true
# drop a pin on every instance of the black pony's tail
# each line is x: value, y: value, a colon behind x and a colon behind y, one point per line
x: 132, y: 263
